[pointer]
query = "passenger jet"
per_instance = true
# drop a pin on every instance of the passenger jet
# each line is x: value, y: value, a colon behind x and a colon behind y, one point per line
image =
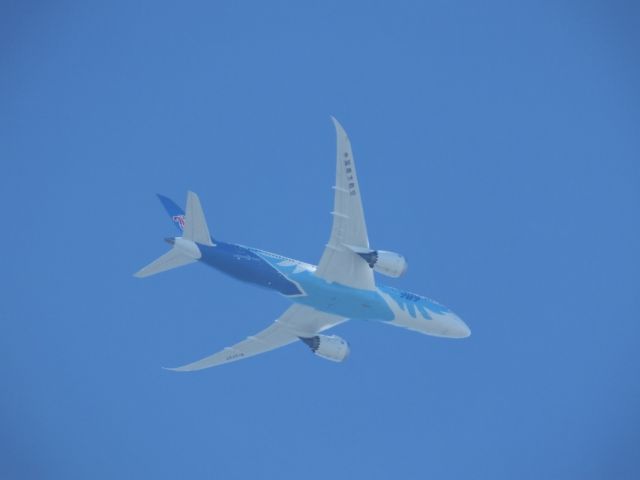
x: 341, y: 287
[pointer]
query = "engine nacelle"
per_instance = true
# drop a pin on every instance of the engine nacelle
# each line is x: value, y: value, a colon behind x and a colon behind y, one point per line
x: 330, y: 347
x: 391, y: 264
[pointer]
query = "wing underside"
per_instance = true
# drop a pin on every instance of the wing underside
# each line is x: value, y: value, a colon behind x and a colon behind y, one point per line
x: 339, y: 263
x: 297, y: 322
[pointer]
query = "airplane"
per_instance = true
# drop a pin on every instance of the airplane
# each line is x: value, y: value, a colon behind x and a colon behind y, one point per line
x: 341, y: 287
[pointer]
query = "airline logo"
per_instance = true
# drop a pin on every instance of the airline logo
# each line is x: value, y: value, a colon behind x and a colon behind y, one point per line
x: 179, y: 219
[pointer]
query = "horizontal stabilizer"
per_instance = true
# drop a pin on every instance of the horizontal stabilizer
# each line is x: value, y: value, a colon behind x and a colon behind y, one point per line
x: 172, y: 259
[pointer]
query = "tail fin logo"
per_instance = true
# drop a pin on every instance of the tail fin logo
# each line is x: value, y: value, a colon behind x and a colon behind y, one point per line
x: 179, y: 220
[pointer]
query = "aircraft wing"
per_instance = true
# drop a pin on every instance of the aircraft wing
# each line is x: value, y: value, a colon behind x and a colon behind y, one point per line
x: 339, y: 263
x: 297, y: 322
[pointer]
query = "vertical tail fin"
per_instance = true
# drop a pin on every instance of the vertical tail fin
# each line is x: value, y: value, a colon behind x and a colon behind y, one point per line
x: 175, y: 212
x: 195, y: 225
x: 192, y: 224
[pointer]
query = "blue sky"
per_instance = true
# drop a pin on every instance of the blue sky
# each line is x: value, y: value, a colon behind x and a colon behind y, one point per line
x: 497, y: 148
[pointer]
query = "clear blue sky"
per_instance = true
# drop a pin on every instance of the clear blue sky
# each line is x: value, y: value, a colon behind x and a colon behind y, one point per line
x: 498, y: 150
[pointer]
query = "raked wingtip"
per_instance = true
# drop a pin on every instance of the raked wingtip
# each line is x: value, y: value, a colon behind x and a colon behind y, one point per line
x: 340, y: 131
x: 173, y: 369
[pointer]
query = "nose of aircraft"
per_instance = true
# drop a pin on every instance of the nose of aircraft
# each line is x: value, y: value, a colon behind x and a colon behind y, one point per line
x: 458, y: 329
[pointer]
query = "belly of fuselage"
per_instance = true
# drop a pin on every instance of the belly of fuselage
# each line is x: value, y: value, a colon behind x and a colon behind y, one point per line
x: 302, y: 286
x: 298, y: 282
x: 341, y: 300
x: 243, y: 264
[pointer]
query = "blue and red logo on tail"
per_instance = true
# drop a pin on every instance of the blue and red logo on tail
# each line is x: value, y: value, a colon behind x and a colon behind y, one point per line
x: 178, y: 220
x: 175, y: 212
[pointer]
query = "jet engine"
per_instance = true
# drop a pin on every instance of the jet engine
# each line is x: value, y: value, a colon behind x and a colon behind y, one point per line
x: 391, y: 264
x: 329, y: 347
